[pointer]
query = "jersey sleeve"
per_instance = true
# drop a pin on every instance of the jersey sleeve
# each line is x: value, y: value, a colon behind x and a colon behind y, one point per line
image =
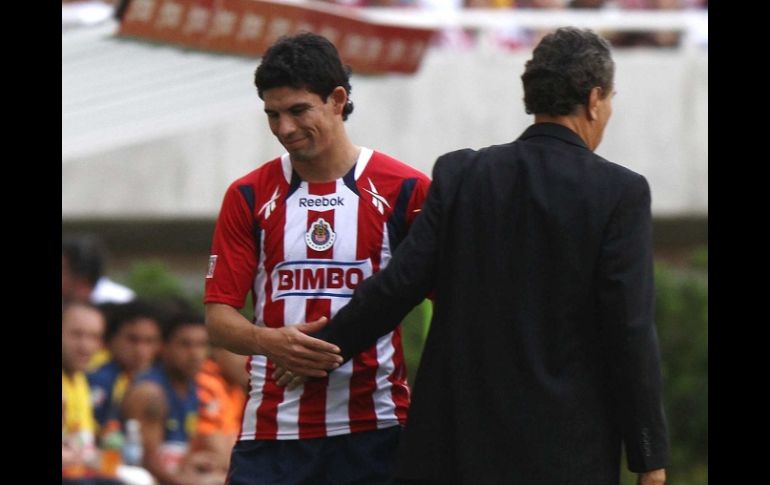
x: 234, y: 251
x: 417, y: 199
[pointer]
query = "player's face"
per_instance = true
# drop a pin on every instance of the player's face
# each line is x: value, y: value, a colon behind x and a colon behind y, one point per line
x: 302, y: 122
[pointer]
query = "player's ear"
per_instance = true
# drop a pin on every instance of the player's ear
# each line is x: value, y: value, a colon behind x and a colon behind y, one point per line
x: 339, y: 97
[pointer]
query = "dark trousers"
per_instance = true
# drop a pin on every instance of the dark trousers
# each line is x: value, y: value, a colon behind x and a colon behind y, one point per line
x: 364, y: 458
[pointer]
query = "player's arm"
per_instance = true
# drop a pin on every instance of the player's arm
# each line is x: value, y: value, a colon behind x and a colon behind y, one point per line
x: 232, y: 269
x: 288, y: 347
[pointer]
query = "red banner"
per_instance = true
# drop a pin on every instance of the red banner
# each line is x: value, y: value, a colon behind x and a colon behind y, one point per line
x: 249, y: 27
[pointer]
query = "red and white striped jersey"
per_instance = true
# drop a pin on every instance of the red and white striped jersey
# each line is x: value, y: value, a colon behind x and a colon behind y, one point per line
x: 302, y: 248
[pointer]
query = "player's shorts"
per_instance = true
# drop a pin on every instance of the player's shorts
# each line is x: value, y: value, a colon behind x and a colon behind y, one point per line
x: 364, y: 458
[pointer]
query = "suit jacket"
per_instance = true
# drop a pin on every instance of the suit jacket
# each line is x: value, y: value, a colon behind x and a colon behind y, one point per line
x: 542, y: 355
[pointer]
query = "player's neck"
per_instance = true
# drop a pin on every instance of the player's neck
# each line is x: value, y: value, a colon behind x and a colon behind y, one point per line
x: 329, y: 166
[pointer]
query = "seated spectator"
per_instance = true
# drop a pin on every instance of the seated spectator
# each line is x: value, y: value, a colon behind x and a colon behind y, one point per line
x: 529, y: 37
x: 83, y: 279
x: 82, y: 332
x: 222, y: 385
x: 656, y: 38
x: 165, y: 402
x: 134, y: 341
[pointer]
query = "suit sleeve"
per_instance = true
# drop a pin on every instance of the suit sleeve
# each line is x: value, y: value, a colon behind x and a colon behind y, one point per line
x: 382, y: 301
x: 626, y: 316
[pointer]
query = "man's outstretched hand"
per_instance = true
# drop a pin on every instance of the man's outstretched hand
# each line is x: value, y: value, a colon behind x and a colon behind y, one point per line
x: 300, y: 354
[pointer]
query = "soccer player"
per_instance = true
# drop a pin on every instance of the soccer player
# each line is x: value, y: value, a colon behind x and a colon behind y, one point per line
x: 301, y: 232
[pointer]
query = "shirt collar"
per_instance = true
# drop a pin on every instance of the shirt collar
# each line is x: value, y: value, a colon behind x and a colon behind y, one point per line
x: 554, y: 130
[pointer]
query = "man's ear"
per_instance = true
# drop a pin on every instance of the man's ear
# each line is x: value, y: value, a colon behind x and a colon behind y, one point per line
x: 339, y: 98
x: 593, y: 103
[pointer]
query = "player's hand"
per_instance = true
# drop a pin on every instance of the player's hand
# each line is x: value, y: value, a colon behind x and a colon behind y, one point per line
x: 289, y: 347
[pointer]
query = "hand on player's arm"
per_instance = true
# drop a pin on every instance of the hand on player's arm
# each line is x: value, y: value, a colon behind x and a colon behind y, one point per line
x: 289, y: 347
x: 290, y: 380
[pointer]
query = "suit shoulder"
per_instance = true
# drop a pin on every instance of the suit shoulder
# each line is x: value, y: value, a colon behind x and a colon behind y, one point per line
x: 628, y: 185
x: 454, y: 160
x: 625, y: 174
x: 490, y: 151
x: 468, y: 160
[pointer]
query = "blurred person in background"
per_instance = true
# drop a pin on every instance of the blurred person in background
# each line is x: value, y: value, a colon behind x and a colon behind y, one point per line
x: 451, y: 37
x: 134, y: 340
x: 587, y: 4
x: 651, y: 38
x: 82, y: 331
x: 301, y: 232
x: 222, y: 386
x: 165, y: 401
x: 528, y: 37
x: 542, y: 360
x: 82, y: 279
x: 82, y: 273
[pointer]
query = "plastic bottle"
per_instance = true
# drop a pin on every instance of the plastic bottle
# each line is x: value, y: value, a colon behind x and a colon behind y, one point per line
x: 82, y: 444
x: 112, y: 443
x: 132, y: 445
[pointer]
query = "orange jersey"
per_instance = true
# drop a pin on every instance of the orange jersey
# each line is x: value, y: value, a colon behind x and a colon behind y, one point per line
x: 221, y: 403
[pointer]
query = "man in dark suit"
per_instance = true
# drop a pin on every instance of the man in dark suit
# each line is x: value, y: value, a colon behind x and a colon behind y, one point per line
x: 542, y: 357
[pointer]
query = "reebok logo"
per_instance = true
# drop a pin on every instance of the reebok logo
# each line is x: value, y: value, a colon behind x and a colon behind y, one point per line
x: 269, y: 206
x: 378, y: 201
x: 321, y: 201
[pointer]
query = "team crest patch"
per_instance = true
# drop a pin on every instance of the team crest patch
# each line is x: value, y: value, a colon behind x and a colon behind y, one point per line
x: 212, y: 265
x: 320, y: 236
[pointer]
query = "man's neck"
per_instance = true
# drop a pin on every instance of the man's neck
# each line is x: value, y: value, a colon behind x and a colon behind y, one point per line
x: 179, y: 382
x: 328, y: 167
x: 576, y: 123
